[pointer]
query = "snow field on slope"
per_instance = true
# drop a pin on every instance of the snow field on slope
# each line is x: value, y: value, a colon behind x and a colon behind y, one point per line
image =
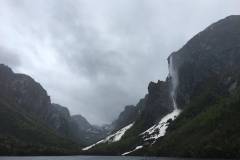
x: 113, y: 137
x: 160, y: 128
x: 138, y: 147
x: 153, y: 133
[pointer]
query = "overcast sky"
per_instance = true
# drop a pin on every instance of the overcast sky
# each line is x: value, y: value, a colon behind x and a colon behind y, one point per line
x: 97, y: 56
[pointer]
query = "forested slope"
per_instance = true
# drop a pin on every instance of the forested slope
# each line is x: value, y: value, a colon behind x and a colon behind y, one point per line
x: 25, y: 134
x: 207, y: 128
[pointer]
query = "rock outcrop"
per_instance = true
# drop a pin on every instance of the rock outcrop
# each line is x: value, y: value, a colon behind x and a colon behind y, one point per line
x: 160, y: 102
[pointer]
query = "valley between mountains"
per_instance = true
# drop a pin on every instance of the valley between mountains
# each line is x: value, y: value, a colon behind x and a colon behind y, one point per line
x: 195, y: 112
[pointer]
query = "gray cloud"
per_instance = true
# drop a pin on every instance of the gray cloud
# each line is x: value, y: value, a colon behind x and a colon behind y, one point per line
x: 9, y: 58
x: 95, y: 57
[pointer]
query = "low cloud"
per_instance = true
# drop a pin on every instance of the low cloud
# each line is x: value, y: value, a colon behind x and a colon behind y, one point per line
x: 9, y: 58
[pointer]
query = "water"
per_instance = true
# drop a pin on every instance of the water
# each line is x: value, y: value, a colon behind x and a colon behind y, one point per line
x: 173, y: 72
x: 92, y: 158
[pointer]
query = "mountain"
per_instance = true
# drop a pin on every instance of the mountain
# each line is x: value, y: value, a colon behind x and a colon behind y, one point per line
x: 90, y: 133
x: 204, y: 83
x: 193, y: 113
x: 29, y: 95
x: 208, y: 90
x: 28, y: 127
x: 210, y: 53
x: 25, y: 134
x: 82, y: 129
x: 156, y: 105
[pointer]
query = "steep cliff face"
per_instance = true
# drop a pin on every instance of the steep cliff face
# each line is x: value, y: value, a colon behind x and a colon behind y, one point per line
x: 211, y: 53
x: 30, y: 95
x: 63, y: 111
x: 208, y: 68
x: 129, y: 114
x: 160, y: 102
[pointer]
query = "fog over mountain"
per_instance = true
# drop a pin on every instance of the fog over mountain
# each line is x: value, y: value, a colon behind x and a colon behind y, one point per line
x: 95, y: 57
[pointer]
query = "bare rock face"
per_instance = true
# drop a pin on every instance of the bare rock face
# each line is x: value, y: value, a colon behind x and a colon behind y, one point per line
x: 62, y: 110
x: 31, y: 96
x: 212, y: 54
x: 82, y: 123
x: 130, y: 114
x: 159, y: 103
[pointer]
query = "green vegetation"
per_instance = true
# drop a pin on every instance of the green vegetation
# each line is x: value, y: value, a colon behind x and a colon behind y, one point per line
x: 24, y: 134
x: 208, y: 128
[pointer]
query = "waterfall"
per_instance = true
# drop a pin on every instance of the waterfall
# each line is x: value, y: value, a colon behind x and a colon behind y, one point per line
x: 173, y: 73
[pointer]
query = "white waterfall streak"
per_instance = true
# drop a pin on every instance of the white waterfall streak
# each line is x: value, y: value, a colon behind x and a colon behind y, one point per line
x: 173, y: 72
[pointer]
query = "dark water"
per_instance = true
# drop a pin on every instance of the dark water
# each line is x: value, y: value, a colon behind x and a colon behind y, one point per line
x: 92, y: 158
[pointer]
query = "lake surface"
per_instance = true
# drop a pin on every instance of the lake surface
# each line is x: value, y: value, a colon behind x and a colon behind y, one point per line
x: 92, y: 158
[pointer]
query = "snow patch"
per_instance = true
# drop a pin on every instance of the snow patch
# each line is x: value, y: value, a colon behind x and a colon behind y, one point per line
x: 138, y: 147
x: 113, y: 137
x: 159, y: 129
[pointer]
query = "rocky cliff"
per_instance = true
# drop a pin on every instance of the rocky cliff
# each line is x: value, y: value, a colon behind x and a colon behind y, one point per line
x: 160, y: 102
x: 129, y: 114
x: 208, y: 91
x: 209, y: 54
